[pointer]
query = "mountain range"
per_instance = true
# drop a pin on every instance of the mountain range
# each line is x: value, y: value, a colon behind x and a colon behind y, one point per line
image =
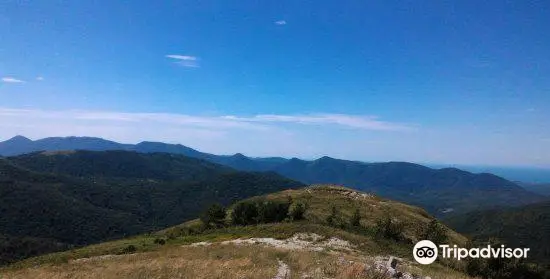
x: 441, y: 191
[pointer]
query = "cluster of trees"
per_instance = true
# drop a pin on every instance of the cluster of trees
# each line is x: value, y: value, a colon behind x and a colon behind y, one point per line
x: 253, y: 212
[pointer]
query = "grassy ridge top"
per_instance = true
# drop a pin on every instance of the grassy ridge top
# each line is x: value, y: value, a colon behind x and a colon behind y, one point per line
x: 320, y: 199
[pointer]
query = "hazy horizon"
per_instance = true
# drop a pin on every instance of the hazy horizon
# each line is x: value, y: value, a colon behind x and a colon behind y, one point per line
x: 520, y: 173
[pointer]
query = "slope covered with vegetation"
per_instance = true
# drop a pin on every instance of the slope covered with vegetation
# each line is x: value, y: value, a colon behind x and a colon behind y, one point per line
x: 336, y: 207
x: 539, y: 188
x: 329, y: 213
x: 526, y: 226
x: 87, y: 197
x: 340, y: 233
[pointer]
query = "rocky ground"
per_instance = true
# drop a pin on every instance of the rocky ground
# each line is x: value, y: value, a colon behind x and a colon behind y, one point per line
x: 380, y: 266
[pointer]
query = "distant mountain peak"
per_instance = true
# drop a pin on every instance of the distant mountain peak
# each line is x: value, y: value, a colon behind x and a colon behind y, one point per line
x: 325, y: 158
x: 295, y: 160
x: 19, y: 138
x: 240, y: 156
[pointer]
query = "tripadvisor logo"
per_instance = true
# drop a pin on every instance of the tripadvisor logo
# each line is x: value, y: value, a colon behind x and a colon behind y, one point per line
x: 426, y: 252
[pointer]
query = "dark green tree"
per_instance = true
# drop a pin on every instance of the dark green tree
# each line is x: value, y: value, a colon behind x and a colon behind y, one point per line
x: 297, y: 211
x: 332, y: 219
x: 244, y: 213
x: 355, y: 220
x: 214, y: 216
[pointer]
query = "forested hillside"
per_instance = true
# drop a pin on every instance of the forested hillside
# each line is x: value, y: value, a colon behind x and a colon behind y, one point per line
x: 94, y: 196
x: 526, y: 226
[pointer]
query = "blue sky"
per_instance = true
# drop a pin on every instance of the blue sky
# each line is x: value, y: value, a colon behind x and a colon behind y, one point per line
x: 423, y: 81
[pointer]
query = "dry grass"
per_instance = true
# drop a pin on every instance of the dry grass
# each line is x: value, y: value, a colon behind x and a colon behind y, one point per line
x: 215, y: 261
x: 175, y: 262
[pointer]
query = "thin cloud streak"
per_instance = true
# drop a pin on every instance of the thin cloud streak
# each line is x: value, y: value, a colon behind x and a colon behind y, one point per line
x: 257, y: 122
x: 184, y: 60
x: 182, y: 57
x: 349, y: 121
x: 12, y: 80
x: 280, y: 22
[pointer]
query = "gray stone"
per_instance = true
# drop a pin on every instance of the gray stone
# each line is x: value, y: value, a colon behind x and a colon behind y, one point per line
x: 392, y: 262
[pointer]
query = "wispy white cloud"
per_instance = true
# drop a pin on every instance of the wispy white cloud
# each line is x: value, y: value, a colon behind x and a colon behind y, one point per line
x: 257, y: 122
x: 350, y: 121
x: 182, y: 57
x: 40, y: 78
x: 12, y: 80
x: 280, y: 22
x: 184, y: 60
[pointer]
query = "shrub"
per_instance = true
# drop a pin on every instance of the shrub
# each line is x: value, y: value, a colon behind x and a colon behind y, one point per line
x: 272, y: 211
x: 355, y: 220
x: 244, y: 213
x: 297, y: 211
x: 129, y: 249
x: 214, y: 215
x: 332, y: 218
x: 389, y: 229
x: 335, y: 220
x: 159, y: 241
x: 435, y: 232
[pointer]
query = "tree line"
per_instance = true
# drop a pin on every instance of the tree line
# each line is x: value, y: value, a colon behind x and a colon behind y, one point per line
x: 252, y: 212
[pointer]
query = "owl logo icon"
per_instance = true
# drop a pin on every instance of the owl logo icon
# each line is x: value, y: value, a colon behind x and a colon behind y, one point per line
x: 425, y: 252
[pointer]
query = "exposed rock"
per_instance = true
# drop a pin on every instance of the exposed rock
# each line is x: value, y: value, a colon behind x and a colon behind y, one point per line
x: 283, y: 272
x: 392, y: 262
x: 100, y: 258
x: 300, y: 241
x: 197, y: 244
x: 389, y: 267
